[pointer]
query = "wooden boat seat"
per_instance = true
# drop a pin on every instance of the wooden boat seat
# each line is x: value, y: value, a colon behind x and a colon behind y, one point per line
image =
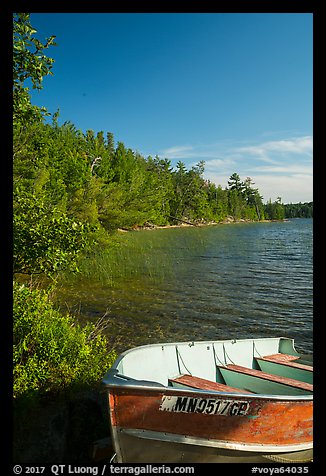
x: 203, y: 384
x: 288, y: 360
x: 274, y: 378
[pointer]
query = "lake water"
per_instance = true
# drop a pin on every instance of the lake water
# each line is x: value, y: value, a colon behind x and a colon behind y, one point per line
x: 195, y: 283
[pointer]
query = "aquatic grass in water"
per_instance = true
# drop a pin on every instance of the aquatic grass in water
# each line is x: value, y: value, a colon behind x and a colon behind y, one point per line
x: 130, y: 257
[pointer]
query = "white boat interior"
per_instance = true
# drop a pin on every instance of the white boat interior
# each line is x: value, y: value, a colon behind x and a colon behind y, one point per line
x: 269, y: 366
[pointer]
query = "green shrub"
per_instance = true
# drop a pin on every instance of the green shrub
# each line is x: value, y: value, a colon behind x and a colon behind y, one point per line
x: 52, y: 352
x: 46, y: 240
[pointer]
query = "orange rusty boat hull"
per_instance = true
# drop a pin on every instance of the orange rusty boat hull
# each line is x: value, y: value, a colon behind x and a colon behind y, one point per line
x: 239, y: 426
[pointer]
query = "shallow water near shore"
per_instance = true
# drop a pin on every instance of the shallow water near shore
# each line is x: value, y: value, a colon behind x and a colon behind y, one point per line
x: 199, y: 283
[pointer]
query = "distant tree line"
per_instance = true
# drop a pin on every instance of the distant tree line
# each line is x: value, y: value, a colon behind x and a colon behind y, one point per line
x: 298, y: 210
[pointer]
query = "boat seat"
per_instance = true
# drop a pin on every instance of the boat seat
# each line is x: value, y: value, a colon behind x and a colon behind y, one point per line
x: 203, y: 384
x: 266, y: 376
x: 288, y: 360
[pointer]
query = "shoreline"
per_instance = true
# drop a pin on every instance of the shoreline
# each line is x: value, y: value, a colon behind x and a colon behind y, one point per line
x: 227, y: 221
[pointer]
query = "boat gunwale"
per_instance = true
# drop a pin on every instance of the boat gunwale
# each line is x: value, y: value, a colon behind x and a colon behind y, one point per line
x: 204, y: 342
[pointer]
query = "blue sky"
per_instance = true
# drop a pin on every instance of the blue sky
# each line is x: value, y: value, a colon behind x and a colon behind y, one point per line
x: 232, y: 89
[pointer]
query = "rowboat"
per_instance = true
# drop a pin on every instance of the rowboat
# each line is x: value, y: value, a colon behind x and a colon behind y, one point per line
x: 246, y: 400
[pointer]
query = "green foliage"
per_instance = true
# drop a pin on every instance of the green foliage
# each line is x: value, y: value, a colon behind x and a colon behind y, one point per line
x: 275, y: 210
x: 190, y: 197
x: 51, y: 351
x: 244, y: 201
x: 29, y: 63
x: 45, y: 239
x: 299, y: 210
x: 235, y: 184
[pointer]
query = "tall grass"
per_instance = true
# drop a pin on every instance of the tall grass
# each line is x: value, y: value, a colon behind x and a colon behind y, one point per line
x: 129, y: 256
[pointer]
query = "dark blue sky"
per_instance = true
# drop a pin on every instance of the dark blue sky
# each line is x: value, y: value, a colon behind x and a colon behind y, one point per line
x: 234, y: 90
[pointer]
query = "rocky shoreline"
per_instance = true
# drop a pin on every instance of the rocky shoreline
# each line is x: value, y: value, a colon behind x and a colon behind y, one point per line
x: 226, y: 221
